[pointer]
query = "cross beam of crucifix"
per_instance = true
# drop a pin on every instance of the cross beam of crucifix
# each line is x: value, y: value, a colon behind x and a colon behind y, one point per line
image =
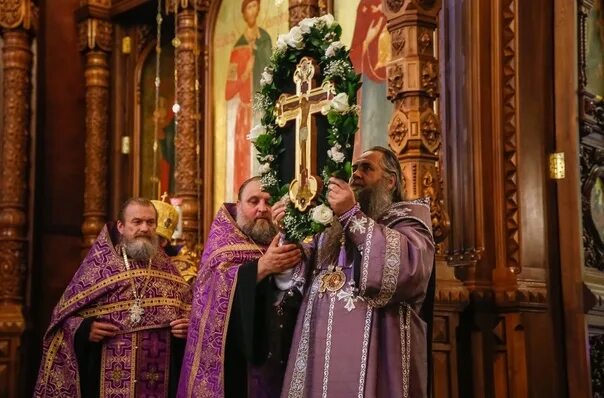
x: 301, y: 107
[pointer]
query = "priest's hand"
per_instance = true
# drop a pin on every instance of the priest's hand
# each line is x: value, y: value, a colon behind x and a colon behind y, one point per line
x: 180, y: 327
x: 278, y: 258
x: 278, y: 214
x: 340, y: 197
x: 100, y: 330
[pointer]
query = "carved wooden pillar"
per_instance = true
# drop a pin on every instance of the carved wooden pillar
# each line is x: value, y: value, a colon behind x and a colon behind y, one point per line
x: 95, y: 43
x: 414, y: 132
x: 187, y: 118
x: 16, y: 24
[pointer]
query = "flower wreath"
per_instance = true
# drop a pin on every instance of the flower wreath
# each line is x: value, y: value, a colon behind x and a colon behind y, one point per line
x: 318, y: 38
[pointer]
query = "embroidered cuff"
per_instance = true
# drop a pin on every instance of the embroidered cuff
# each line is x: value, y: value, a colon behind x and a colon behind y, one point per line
x: 345, y: 218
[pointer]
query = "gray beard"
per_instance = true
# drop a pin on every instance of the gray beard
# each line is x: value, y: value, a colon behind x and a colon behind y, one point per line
x: 374, y: 201
x: 141, y: 249
x: 260, y: 231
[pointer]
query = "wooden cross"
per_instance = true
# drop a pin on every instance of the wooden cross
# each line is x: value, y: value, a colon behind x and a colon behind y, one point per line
x: 300, y: 107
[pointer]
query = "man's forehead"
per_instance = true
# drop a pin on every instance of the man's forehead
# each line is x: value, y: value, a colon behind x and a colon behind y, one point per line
x: 136, y: 210
x: 254, y: 188
x: 368, y: 157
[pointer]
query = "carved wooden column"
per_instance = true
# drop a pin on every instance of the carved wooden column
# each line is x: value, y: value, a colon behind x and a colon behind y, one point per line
x: 414, y: 132
x: 16, y: 24
x: 95, y: 43
x: 187, y: 117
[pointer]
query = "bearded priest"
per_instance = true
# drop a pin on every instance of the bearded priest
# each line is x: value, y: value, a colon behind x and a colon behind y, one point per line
x: 122, y: 321
x: 243, y: 318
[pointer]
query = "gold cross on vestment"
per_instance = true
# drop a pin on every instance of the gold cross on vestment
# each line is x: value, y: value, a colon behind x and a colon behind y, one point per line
x: 300, y: 107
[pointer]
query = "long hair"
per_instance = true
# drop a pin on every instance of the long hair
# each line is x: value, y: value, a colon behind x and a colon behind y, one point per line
x: 391, y: 166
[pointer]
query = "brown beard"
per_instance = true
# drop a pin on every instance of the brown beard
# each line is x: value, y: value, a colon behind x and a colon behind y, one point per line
x: 374, y: 200
x: 141, y: 248
x: 260, y: 230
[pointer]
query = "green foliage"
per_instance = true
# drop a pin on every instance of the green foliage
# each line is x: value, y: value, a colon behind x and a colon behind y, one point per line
x: 343, y: 126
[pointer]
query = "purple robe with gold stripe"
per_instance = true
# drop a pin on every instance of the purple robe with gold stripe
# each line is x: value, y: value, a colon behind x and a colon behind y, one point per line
x: 226, y: 250
x: 136, y: 361
x: 363, y: 336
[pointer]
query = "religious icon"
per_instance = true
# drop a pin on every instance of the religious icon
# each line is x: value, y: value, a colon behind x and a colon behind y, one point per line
x: 242, y: 45
x: 594, y: 49
x: 370, y: 53
x: 597, y: 206
x: 166, y: 151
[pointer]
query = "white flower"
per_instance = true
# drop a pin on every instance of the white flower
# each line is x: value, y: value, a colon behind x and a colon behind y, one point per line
x: 295, y: 38
x: 335, y: 154
x: 340, y: 103
x: 267, y: 158
x: 333, y: 47
x: 328, y: 20
x: 306, y: 24
x: 267, y: 77
x: 264, y: 168
x: 256, y: 132
x: 322, y: 214
x: 281, y: 44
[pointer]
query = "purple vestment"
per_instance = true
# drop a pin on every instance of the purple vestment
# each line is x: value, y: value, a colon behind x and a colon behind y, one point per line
x: 363, y: 337
x: 226, y: 249
x: 135, y: 362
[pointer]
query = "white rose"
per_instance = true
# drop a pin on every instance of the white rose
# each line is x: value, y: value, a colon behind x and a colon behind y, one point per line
x: 322, y: 215
x: 306, y: 24
x: 327, y: 19
x: 333, y: 47
x: 295, y: 38
x: 256, y: 132
x: 335, y: 154
x: 281, y: 43
x: 266, y: 78
x: 264, y: 168
x: 340, y: 103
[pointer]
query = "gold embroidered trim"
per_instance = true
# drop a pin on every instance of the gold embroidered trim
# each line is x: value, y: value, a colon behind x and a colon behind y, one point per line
x: 120, y: 277
x: 238, y: 247
x: 201, y: 332
x: 53, y: 348
x: 133, y: 380
x: 124, y: 305
x: 391, y: 269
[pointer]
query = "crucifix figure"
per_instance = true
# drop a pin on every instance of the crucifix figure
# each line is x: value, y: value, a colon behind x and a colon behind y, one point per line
x: 300, y: 107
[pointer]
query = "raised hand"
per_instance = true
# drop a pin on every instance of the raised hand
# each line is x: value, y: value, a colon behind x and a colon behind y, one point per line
x: 340, y: 197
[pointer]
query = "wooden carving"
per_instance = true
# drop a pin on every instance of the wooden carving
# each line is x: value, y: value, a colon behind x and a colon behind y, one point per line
x: 414, y: 132
x: 16, y: 20
x: 95, y: 42
x: 187, y: 118
x: 300, y: 9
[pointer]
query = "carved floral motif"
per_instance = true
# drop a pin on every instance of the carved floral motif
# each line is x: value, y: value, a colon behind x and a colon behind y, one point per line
x: 395, y: 81
x: 398, y: 131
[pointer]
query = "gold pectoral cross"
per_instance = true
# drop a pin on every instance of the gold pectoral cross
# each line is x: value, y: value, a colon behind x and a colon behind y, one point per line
x: 300, y: 107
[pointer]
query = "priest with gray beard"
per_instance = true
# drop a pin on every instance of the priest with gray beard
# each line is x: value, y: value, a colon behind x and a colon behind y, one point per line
x: 359, y: 331
x: 120, y: 325
x: 241, y: 323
